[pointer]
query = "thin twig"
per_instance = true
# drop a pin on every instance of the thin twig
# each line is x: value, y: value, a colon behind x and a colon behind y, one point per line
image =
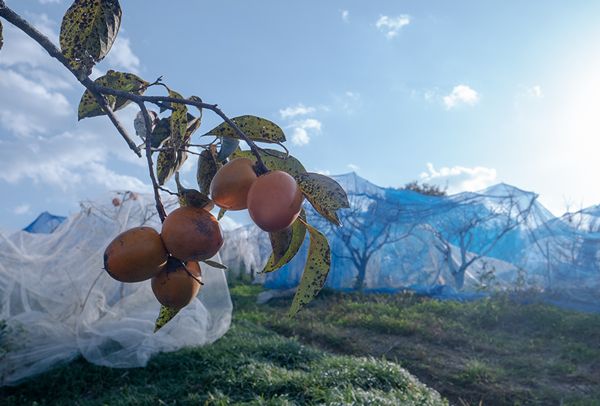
x: 148, y: 121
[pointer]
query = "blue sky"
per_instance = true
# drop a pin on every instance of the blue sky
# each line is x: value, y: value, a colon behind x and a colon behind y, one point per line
x: 458, y: 93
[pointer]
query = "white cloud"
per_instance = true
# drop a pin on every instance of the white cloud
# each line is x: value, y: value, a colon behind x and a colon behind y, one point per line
x: 323, y: 172
x: 461, y: 94
x: 22, y: 209
x: 345, y: 16
x: 65, y: 161
x: 28, y: 107
x: 50, y: 1
x: 297, y: 110
x: 121, y: 55
x: 460, y: 178
x: 303, y: 129
x: 353, y: 167
x: 535, y: 91
x: 391, y: 26
x: 348, y: 102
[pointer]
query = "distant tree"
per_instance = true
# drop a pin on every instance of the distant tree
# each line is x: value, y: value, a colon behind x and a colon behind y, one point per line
x: 371, y: 223
x: 471, y: 231
x: 426, y: 189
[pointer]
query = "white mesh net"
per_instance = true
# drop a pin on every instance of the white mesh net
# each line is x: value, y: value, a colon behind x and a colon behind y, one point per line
x: 56, y: 301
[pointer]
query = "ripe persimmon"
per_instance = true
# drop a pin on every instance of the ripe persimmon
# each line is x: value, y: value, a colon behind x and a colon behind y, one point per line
x: 135, y: 255
x: 274, y: 201
x: 230, y: 185
x: 191, y: 234
x: 174, y: 287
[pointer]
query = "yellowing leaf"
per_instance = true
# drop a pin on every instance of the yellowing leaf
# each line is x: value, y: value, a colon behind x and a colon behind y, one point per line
x: 324, y: 193
x: 285, y: 247
x: 316, y: 270
x: 88, y: 31
x: 274, y: 160
x: 164, y: 316
x: 256, y: 128
x: 127, y: 82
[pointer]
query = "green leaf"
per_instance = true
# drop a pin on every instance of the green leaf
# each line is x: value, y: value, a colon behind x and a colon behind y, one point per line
x: 179, y: 122
x: 1, y: 37
x: 228, y: 146
x: 161, y: 132
x: 324, y: 193
x: 215, y: 264
x: 88, y: 31
x: 127, y: 82
x: 164, y: 316
x: 274, y: 160
x: 207, y: 168
x: 169, y: 161
x: 256, y: 128
x: 316, y: 270
x: 292, y: 244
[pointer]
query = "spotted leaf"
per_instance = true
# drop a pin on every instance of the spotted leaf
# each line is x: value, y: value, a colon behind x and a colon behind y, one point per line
x: 286, y: 246
x: 127, y: 82
x: 169, y: 161
x: 256, y: 128
x: 207, y: 168
x: 274, y: 160
x: 315, y: 272
x: 88, y: 31
x: 179, y: 121
x: 164, y: 316
x: 324, y: 193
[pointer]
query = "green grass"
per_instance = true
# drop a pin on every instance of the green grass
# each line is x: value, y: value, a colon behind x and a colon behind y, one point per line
x: 250, y: 365
x: 493, y: 350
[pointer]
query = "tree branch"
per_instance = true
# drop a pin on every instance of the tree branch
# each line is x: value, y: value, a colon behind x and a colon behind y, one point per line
x: 160, y: 100
x: 13, y: 18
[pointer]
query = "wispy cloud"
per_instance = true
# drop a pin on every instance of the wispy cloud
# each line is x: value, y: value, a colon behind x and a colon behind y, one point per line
x: 391, y: 26
x: 297, y: 110
x: 460, y: 178
x: 346, y: 16
x: 353, y: 167
x: 22, y: 209
x: 461, y: 94
x: 121, y: 55
x: 27, y: 106
x: 302, y: 130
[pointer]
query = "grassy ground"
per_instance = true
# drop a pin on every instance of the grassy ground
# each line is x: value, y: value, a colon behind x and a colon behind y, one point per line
x: 250, y: 365
x: 493, y: 351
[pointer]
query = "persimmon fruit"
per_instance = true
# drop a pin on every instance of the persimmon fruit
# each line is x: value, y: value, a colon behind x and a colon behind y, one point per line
x: 274, y: 201
x: 174, y: 287
x: 191, y: 234
x: 135, y: 255
x: 230, y: 185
